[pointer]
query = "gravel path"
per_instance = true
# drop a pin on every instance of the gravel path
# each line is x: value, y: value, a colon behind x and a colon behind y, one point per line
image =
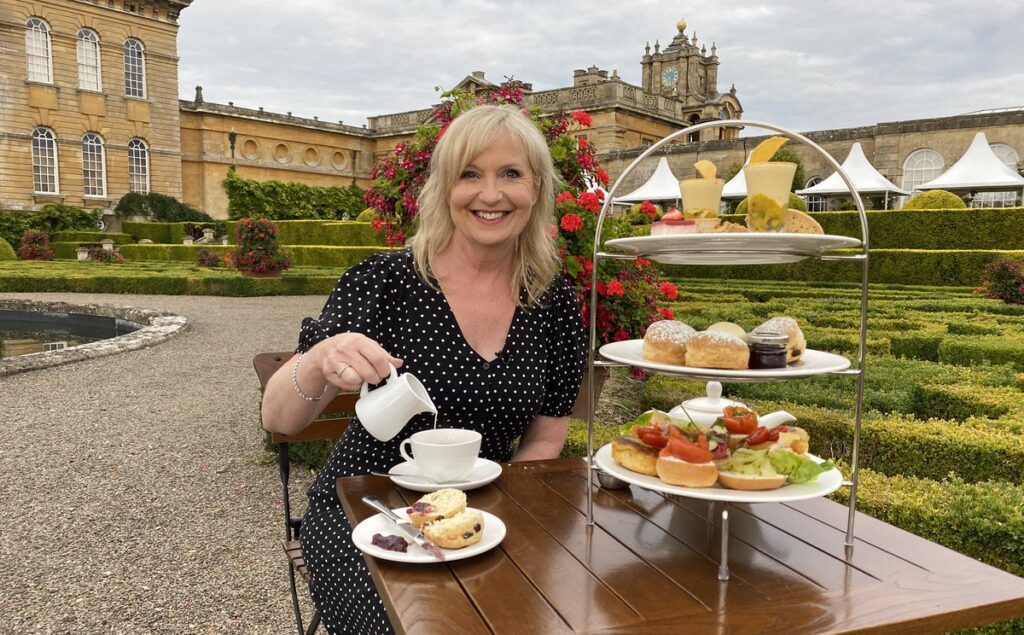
x: 132, y: 498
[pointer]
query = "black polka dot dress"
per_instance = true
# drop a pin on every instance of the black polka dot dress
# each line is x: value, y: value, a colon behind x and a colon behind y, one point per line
x: 538, y: 372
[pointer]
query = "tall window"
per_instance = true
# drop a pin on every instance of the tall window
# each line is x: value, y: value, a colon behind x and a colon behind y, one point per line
x: 45, y: 179
x: 89, y: 60
x: 94, y: 165
x: 37, y: 51
x: 815, y: 203
x: 920, y: 167
x: 134, y: 69
x: 138, y: 166
x: 1010, y: 157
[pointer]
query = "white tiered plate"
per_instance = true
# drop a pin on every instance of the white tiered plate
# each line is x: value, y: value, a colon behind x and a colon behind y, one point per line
x: 811, y: 363
x: 825, y: 484
x: 750, y: 248
x: 362, y: 536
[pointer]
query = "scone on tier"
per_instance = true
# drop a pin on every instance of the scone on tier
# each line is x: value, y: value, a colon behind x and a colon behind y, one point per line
x: 665, y: 342
x: 787, y: 326
x: 455, y: 532
x: 435, y: 506
x: 714, y: 349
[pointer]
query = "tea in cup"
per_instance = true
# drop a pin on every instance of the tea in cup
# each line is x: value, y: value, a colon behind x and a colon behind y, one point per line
x: 442, y: 454
x: 385, y: 410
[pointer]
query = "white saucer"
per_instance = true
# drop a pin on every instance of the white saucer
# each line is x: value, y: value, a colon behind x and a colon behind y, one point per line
x: 362, y: 537
x: 482, y: 473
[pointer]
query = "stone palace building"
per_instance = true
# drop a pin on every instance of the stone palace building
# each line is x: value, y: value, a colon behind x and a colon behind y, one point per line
x: 89, y: 111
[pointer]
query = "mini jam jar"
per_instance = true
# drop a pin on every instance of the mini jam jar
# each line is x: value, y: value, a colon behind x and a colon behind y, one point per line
x: 767, y: 350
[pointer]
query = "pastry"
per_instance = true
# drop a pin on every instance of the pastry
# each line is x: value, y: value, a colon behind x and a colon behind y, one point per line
x: 679, y: 472
x: 665, y: 342
x: 714, y: 349
x: 633, y: 454
x: 435, y: 506
x: 455, y: 532
x: 787, y: 326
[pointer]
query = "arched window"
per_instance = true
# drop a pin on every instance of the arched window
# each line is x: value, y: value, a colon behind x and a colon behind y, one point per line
x: 1010, y: 157
x: 693, y: 137
x: 94, y: 165
x: 89, y: 77
x: 45, y: 179
x: 134, y: 69
x: 815, y: 203
x: 920, y: 167
x: 38, y: 53
x: 138, y: 166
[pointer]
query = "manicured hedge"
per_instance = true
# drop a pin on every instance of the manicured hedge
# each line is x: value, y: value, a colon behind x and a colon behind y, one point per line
x: 301, y: 255
x: 986, y: 348
x: 92, y: 237
x: 293, y: 232
x: 886, y: 266
x: 6, y: 251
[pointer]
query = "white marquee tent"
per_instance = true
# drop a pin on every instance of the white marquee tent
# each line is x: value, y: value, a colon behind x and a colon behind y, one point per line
x: 866, y: 179
x: 736, y: 187
x: 979, y: 169
x: 662, y: 186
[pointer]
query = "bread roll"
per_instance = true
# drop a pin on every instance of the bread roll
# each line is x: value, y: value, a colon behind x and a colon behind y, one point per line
x: 463, y: 529
x: 665, y: 342
x: 749, y: 482
x: 787, y: 326
x: 435, y: 506
x: 678, y: 472
x: 634, y: 454
x: 713, y: 349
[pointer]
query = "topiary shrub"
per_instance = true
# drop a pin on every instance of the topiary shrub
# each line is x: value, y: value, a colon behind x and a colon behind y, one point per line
x: 368, y: 215
x: 35, y: 245
x: 158, y: 207
x: 6, y: 251
x: 795, y: 202
x: 109, y: 256
x: 935, y: 199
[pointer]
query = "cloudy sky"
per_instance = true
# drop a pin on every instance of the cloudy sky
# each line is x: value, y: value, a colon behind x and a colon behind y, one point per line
x: 800, y: 64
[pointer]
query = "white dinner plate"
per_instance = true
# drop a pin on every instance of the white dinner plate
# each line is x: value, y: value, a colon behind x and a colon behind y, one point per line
x: 739, y: 248
x: 811, y: 363
x: 825, y: 484
x: 362, y: 536
x: 483, y: 472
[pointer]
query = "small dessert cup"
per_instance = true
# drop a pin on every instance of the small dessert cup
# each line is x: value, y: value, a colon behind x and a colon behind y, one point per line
x: 701, y: 197
x: 768, y: 186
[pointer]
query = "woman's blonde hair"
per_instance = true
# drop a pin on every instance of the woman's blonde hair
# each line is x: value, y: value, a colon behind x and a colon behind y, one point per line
x: 536, y: 259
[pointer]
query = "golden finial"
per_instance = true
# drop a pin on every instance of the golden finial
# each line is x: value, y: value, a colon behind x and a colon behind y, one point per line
x: 681, y: 25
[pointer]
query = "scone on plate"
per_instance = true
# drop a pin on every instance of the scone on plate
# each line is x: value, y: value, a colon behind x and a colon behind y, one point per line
x: 457, y: 531
x: 715, y: 349
x: 665, y: 342
x: 435, y: 506
x: 789, y: 327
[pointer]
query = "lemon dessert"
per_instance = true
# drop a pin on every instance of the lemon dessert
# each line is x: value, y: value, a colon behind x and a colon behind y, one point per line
x: 768, y: 186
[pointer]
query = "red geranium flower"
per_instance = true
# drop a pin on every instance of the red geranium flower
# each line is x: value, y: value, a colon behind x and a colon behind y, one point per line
x: 590, y: 201
x: 666, y: 314
x: 643, y: 262
x: 615, y: 288
x: 571, y: 222
x: 649, y: 209
x: 565, y: 197
x: 582, y: 118
x: 602, y: 176
x: 669, y: 290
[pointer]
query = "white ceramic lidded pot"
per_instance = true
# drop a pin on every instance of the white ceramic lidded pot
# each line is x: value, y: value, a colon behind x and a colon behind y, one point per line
x: 705, y: 410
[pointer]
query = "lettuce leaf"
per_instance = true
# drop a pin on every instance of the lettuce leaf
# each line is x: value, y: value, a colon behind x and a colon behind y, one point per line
x: 796, y: 467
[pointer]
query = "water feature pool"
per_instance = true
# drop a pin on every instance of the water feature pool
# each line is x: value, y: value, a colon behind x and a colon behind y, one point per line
x: 37, y: 334
x: 27, y: 332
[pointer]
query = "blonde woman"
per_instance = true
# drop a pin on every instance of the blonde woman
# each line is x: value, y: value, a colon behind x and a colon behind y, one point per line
x: 475, y: 308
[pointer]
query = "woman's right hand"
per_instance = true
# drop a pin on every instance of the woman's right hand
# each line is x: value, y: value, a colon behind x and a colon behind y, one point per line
x: 348, y: 359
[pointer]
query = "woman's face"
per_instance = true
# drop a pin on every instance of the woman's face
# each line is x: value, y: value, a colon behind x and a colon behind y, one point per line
x: 492, y: 198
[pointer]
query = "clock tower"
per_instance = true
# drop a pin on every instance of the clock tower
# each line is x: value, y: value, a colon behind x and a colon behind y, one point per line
x: 681, y: 70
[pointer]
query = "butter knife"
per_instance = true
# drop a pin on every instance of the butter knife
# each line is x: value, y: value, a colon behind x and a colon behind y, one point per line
x: 405, y: 527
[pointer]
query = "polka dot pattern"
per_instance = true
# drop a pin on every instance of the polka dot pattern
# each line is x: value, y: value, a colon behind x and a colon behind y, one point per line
x: 538, y: 372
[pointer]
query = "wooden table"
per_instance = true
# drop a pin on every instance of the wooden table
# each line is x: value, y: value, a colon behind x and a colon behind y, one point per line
x: 649, y: 565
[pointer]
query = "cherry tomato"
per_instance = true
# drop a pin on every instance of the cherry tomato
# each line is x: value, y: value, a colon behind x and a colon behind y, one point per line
x: 702, y: 441
x: 739, y: 420
x: 763, y: 435
x: 653, y: 438
x: 686, y: 450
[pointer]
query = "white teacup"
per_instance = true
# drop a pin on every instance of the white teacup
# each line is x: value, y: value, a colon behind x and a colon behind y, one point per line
x: 443, y: 454
x: 385, y: 410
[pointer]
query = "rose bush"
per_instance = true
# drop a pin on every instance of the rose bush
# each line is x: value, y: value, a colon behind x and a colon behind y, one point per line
x: 258, y: 250
x: 628, y: 291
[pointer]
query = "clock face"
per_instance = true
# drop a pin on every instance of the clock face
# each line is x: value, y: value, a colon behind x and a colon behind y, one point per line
x: 669, y: 76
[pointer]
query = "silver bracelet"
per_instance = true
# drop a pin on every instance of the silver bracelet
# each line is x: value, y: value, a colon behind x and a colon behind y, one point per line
x: 295, y: 382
